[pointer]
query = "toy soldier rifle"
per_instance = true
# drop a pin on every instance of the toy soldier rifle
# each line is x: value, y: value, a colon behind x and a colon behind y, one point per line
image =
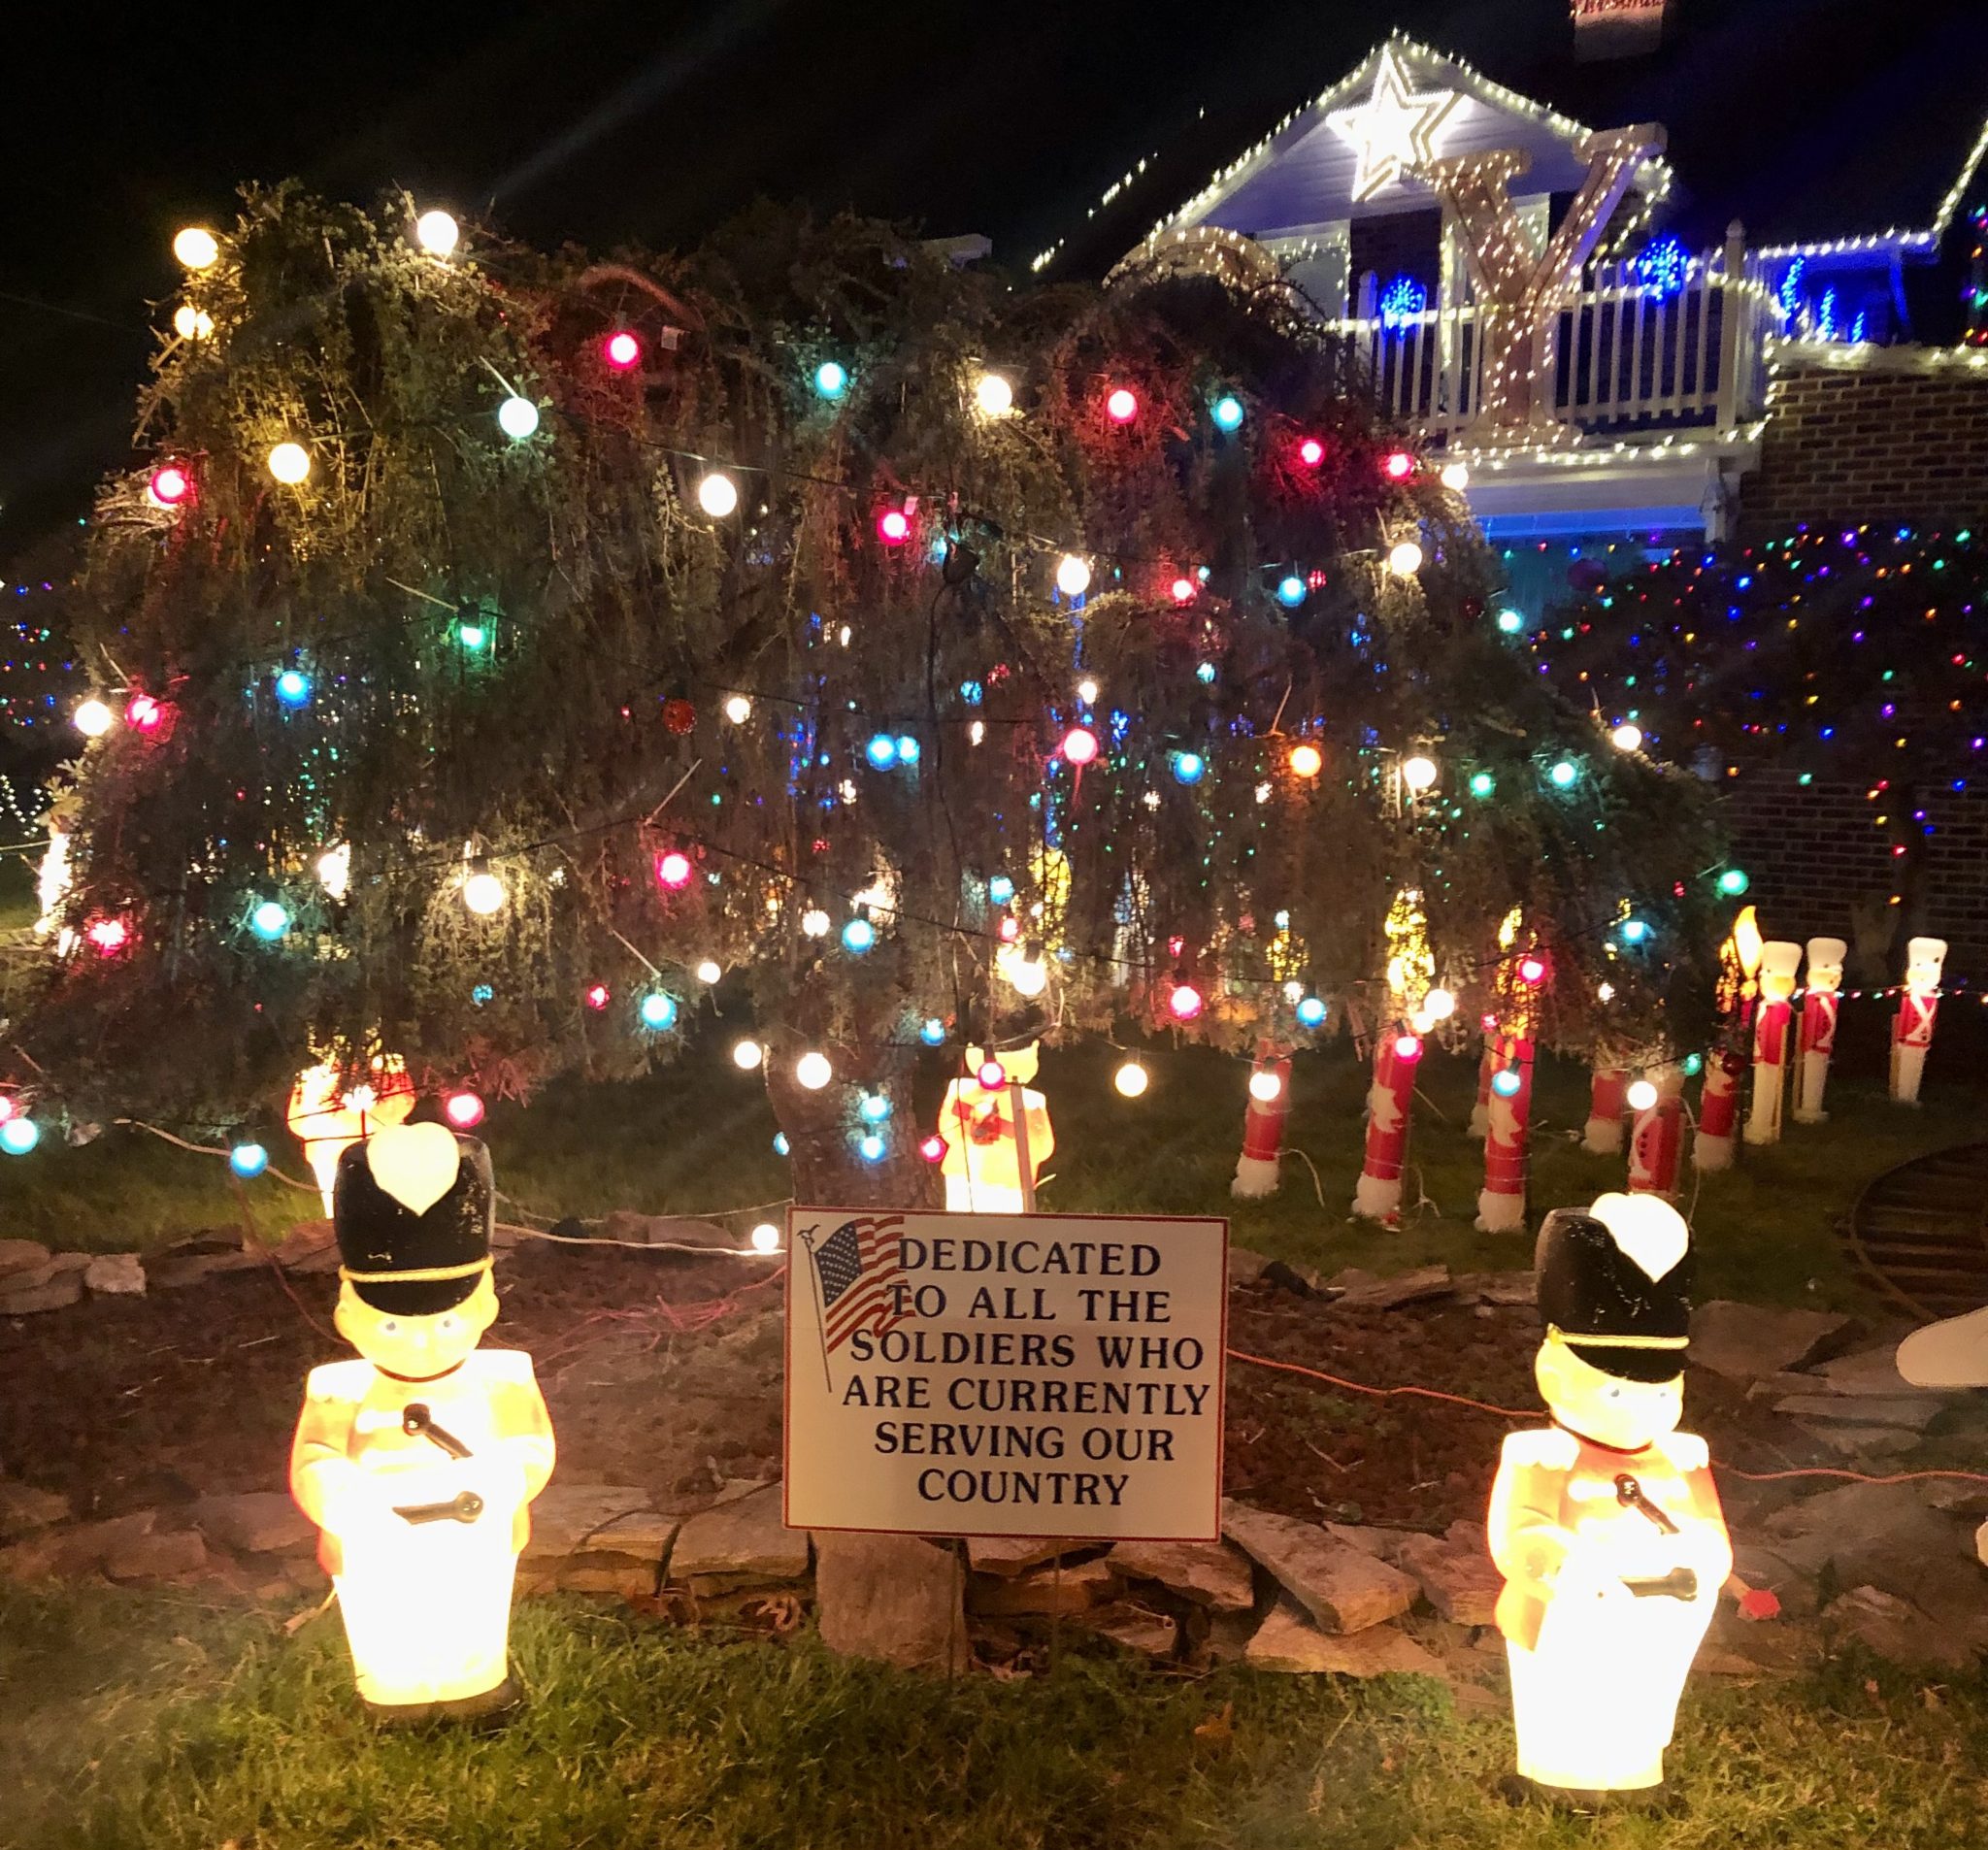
x: 1681, y: 1583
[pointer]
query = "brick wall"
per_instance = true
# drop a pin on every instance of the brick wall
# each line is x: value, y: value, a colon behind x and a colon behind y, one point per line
x: 1897, y: 436
x: 1822, y: 865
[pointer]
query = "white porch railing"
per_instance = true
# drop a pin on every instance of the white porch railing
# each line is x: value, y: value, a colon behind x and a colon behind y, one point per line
x: 1624, y: 354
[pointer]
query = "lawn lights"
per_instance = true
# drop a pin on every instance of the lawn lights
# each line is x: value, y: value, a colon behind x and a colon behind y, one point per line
x: 1606, y: 1524
x: 997, y: 1134
x: 1912, y: 1026
x: 1823, y: 996
x: 419, y: 1461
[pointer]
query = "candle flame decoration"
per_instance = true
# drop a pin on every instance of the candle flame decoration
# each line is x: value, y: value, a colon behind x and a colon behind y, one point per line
x: 328, y: 1116
x: 419, y: 1460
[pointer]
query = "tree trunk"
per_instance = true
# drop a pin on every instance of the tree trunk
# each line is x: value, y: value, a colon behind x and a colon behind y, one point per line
x: 823, y: 1129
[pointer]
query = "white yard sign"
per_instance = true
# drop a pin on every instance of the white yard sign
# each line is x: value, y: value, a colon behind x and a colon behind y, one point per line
x: 996, y: 1374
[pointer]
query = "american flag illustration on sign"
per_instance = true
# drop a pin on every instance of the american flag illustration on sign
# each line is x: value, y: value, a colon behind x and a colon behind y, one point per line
x: 855, y: 1265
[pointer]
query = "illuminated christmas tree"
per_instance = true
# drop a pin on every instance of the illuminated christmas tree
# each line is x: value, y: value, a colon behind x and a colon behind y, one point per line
x: 514, y: 648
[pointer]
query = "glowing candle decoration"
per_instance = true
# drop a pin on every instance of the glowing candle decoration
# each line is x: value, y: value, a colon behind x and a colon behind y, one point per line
x: 289, y: 463
x: 248, y: 1160
x: 517, y: 418
x: 1606, y: 1525
x: 1822, y: 996
x: 1656, y: 1131
x: 993, y: 396
x: 437, y: 233
x: 196, y: 247
x: 464, y: 1109
x: 621, y: 350
x: 419, y: 1460
x: 1072, y: 574
x: 169, y: 485
x: 1918, y: 1008
x: 997, y: 1134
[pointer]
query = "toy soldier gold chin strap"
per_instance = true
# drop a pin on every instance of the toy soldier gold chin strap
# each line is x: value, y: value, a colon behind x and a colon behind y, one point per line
x: 426, y: 1274
x: 1555, y: 1334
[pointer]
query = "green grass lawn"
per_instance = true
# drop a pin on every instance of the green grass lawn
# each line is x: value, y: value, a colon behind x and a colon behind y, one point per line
x: 698, y: 1138
x: 161, y: 1724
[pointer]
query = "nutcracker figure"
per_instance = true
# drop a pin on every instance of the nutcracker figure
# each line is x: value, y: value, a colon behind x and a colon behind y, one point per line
x: 1912, y: 1031
x: 419, y: 1461
x: 1606, y: 1525
x: 1263, y: 1123
x: 1773, y: 1016
x: 1656, y: 1135
x: 996, y: 1128
x: 1953, y: 1354
x: 1824, y: 982
x: 1607, y: 1106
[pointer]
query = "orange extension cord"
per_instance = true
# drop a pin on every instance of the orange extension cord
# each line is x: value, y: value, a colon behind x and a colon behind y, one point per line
x: 1533, y: 1413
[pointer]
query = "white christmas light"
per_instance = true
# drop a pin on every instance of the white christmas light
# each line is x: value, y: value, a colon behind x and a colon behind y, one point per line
x: 746, y: 1055
x: 483, y: 892
x: 1419, y: 773
x: 334, y: 870
x: 1404, y: 560
x: 435, y: 232
x: 815, y: 922
x: 813, y: 1071
x: 1642, y: 1095
x: 1439, y: 1004
x: 738, y: 709
x: 1073, y: 576
x: 196, y: 247
x: 1130, y: 1079
x: 1627, y: 738
x: 1088, y: 692
x: 289, y: 463
x: 708, y: 972
x: 93, y: 718
x: 993, y: 395
x: 1455, y: 477
x: 717, y: 494
x: 1264, y: 1085
x: 766, y: 1238
x: 191, y: 324
x: 517, y: 418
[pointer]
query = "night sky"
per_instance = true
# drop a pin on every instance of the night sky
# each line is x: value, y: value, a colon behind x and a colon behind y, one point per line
x: 604, y: 120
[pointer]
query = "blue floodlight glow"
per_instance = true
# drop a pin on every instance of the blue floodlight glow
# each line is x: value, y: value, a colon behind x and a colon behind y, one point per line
x: 658, y: 1011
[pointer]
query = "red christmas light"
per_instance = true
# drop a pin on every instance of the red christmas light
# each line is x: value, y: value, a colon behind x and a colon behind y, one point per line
x: 599, y: 996
x: 143, y: 714
x: 1080, y: 744
x: 933, y: 1149
x: 1183, y: 590
x: 893, y: 526
x: 110, y: 936
x: 673, y: 869
x: 1532, y: 970
x: 1184, y: 1003
x: 1398, y: 464
x: 621, y: 349
x: 1311, y: 452
x: 1407, y: 1048
x: 992, y: 1075
x: 1122, y: 406
x: 463, y: 1109
x: 169, y: 485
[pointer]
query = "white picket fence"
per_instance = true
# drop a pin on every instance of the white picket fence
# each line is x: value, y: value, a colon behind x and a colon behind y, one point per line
x: 1625, y: 356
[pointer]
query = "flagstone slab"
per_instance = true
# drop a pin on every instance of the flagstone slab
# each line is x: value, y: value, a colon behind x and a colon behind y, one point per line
x: 894, y: 1599
x: 737, y: 1544
x: 1210, y: 1573
x: 1288, y: 1640
x: 1343, y: 1589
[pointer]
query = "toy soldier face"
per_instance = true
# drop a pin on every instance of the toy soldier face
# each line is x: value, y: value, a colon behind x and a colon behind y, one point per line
x: 1598, y: 1406
x: 1923, y: 977
x: 1775, y: 986
x: 417, y: 1348
x: 1828, y: 977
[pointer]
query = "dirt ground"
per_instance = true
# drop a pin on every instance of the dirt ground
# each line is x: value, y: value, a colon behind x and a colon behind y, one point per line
x: 662, y: 1372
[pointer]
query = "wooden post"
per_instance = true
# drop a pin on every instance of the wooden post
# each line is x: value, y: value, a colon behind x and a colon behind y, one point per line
x: 1736, y: 318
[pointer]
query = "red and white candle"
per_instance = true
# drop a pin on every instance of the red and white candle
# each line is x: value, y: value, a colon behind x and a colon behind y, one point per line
x: 1397, y: 1058
x: 1656, y: 1132
x: 1263, y: 1124
x: 1502, y: 1201
x: 1608, y: 1108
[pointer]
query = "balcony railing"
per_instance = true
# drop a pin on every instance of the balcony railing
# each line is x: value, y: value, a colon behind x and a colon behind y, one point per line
x: 1625, y: 354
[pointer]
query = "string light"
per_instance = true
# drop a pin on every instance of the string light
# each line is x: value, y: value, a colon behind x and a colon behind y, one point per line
x: 717, y: 494
x: 1290, y: 591
x: 621, y: 350
x: 765, y: 1238
x: 737, y: 708
x: 1407, y: 1047
x: 1079, y: 745
x: 517, y: 418
x: 1310, y: 1012
x: 1405, y: 559
x: 92, y: 717
x: 1563, y: 773
x: 248, y: 1160
x: 191, y: 324
x: 748, y: 1055
x: 1072, y: 574
x: 1264, y: 1085
x: 993, y: 396
x: 893, y: 526
x: 933, y: 1032
x: 293, y: 688
x: 1311, y: 452
x: 1506, y: 1082
x: 813, y: 1071
x: 1735, y: 882
x: 1482, y: 784
x: 881, y: 750
x: 1227, y: 412
x: 815, y: 923
x: 708, y: 972
x: 464, y: 1109
x: 289, y: 463
x: 1398, y: 464
x: 674, y: 869
x: 1626, y: 738
x: 871, y: 1148
x: 196, y: 247
x: 169, y: 485
x: 1121, y: 406
x: 1455, y: 477
x: 1419, y: 773
x: 1511, y: 622
x: 658, y: 1009
x: 933, y: 1149
x: 1088, y: 691
x: 598, y: 996
x: 1188, y: 766
x: 1131, y: 1079
x: 435, y: 232
x: 859, y: 935
x: 1184, y: 1003
x: 1641, y: 1095
x: 873, y: 1107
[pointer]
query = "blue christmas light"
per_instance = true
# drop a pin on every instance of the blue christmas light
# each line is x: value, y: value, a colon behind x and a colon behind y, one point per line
x: 972, y: 692
x: 1564, y: 774
x: 1634, y: 931
x: 1291, y: 591
x: 269, y: 920
x: 481, y: 994
x: 874, y: 1109
x: 18, y: 1136
x: 1402, y: 301
x: 933, y: 1033
x: 1228, y: 411
x: 831, y: 378
x: 1310, y: 1012
x: 248, y: 1160
x: 1188, y: 766
x: 1506, y: 1082
x: 1662, y: 264
x: 658, y: 1011
x: 1511, y: 622
x: 293, y: 688
x: 881, y: 750
x: 907, y: 749
x: 781, y: 1145
x: 871, y: 1148
x: 859, y: 935
x: 1206, y: 673
x: 1001, y: 889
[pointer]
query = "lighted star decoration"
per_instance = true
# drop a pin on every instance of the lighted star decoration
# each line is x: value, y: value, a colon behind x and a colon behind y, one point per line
x: 1394, y: 131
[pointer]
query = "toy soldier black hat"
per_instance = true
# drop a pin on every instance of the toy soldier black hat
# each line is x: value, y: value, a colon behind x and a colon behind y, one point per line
x: 413, y: 1206
x: 1616, y: 1285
